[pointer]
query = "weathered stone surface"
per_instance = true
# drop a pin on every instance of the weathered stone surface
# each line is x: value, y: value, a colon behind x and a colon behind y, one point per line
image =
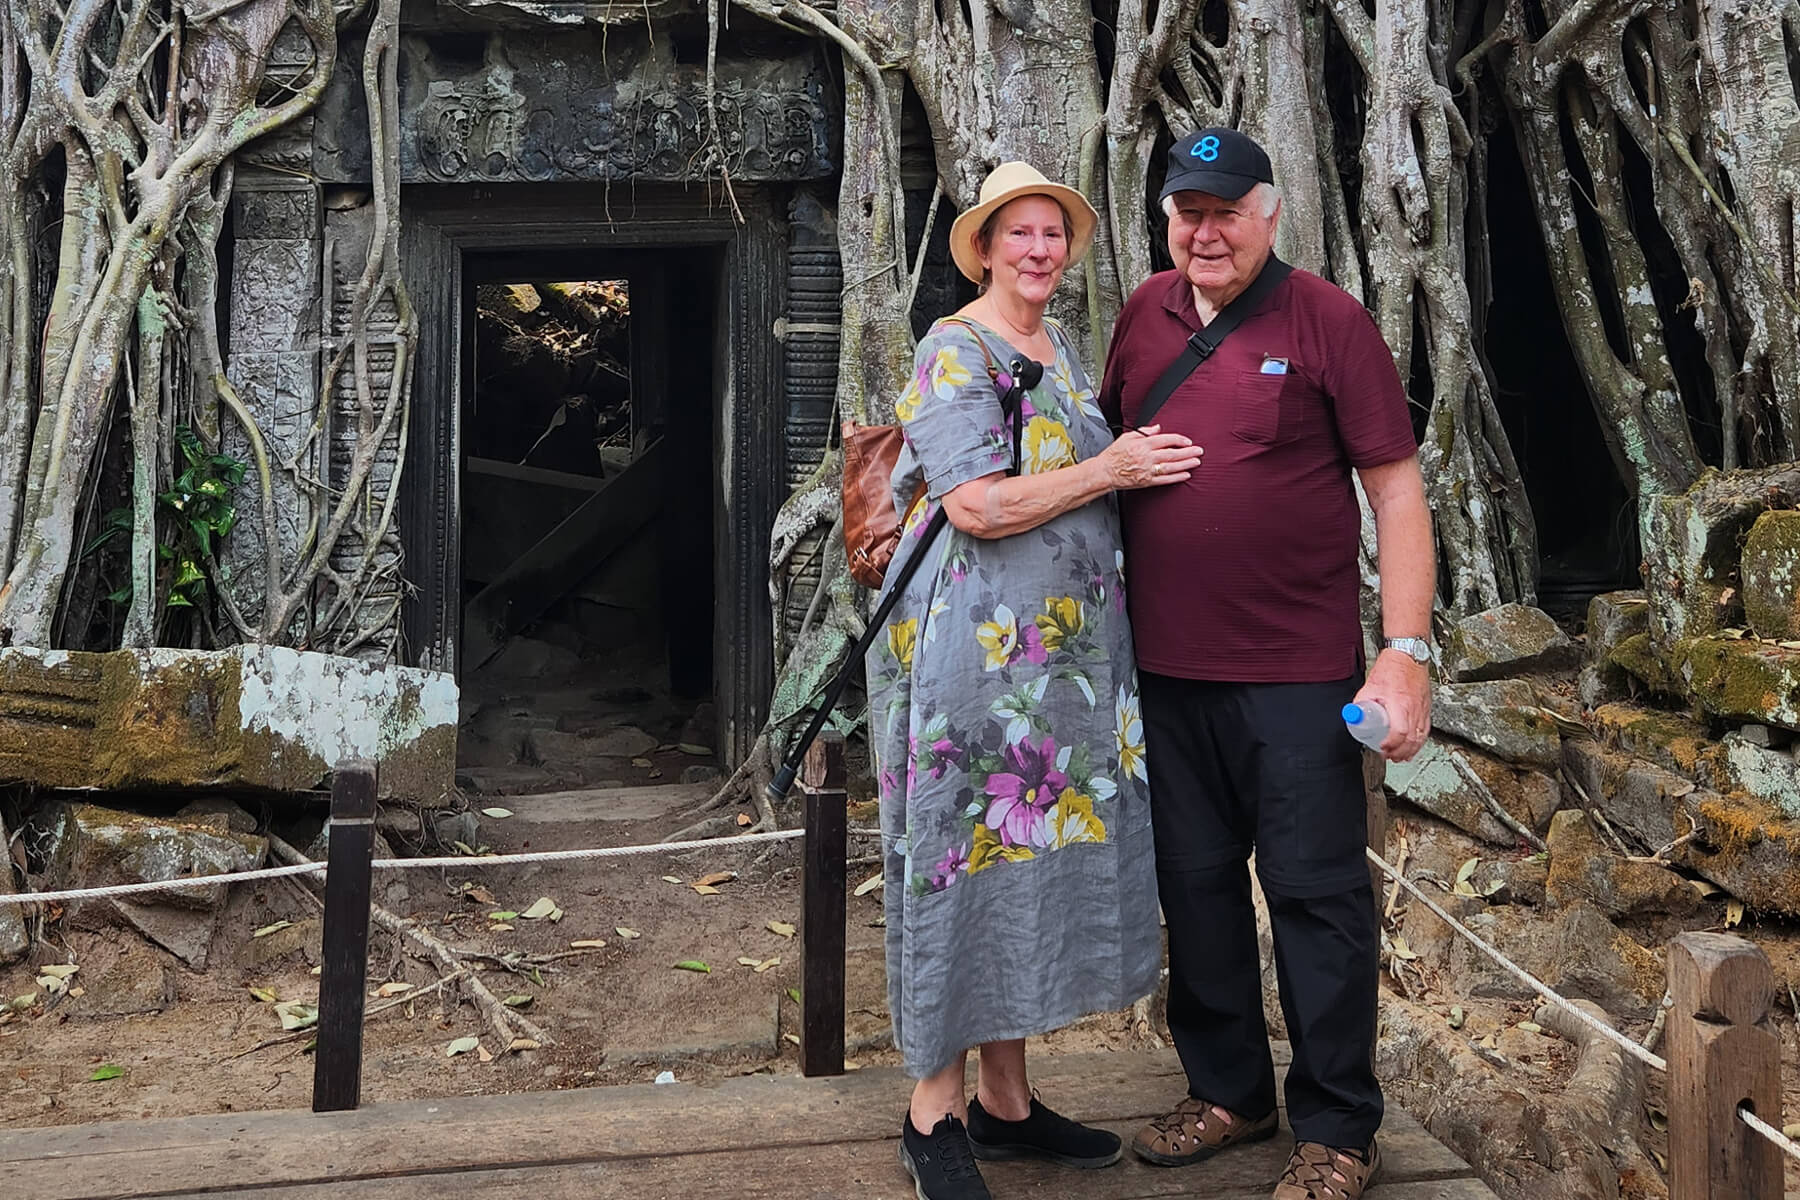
x: 1583, y: 868
x: 581, y: 104
x: 1432, y: 781
x: 1637, y: 656
x: 251, y: 716
x: 1671, y: 740
x: 1641, y: 800
x: 1771, y: 575
x: 1595, y: 960
x: 91, y: 846
x: 1741, y: 678
x: 1746, y: 846
x: 1510, y: 640
x: 1521, y: 934
x: 1741, y: 764
x: 1612, y: 617
x: 1692, y: 548
x: 1502, y: 717
x: 14, y: 941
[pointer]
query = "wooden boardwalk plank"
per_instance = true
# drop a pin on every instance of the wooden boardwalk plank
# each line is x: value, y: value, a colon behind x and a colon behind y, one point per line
x: 755, y: 1135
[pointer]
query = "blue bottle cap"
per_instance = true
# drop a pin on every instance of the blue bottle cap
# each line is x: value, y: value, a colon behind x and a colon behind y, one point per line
x: 1353, y: 714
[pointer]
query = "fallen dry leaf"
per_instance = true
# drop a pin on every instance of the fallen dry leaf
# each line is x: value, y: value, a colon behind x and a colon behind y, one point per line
x: 792, y: 1037
x: 588, y: 944
x: 59, y: 970
x: 630, y: 935
x: 747, y: 962
x: 480, y: 894
x: 671, y: 879
x: 780, y: 929
x: 716, y: 878
x: 481, y: 1052
x: 743, y: 820
x: 497, y: 813
x: 705, y: 889
x: 461, y: 1045
x: 868, y: 885
x: 542, y: 908
x: 266, y: 930
x: 266, y: 995
x: 521, y: 1043
x: 767, y: 963
x: 1734, y: 913
x: 499, y: 927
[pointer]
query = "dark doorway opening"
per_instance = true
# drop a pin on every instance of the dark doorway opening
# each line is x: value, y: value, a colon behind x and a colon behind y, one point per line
x: 588, y: 534
x: 1587, y: 535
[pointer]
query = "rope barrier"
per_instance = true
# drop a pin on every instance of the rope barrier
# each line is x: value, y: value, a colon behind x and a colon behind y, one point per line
x: 1788, y: 1145
x: 1520, y: 973
x: 399, y: 864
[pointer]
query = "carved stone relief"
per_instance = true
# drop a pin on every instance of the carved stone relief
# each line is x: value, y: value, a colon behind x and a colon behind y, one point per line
x: 536, y: 110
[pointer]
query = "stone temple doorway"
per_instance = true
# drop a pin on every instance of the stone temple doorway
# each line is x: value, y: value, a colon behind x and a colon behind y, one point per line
x: 587, y: 537
x: 597, y: 558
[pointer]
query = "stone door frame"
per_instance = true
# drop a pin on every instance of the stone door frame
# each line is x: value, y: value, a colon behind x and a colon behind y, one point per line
x: 440, y: 225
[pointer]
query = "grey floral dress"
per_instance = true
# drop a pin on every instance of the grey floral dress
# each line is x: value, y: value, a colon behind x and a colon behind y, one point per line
x: 1020, y: 874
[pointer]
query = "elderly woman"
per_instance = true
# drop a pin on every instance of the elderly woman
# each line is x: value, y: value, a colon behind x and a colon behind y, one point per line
x: 1020, y: 879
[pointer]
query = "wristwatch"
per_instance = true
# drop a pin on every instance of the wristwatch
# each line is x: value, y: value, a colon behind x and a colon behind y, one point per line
x: 1417, y: 649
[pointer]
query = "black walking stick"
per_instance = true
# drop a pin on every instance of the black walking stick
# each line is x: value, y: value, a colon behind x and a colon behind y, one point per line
x: 1025, y: 373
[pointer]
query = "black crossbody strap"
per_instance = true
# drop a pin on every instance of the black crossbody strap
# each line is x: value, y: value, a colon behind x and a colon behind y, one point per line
x: 1014, y: 412
x: 1202, y: 343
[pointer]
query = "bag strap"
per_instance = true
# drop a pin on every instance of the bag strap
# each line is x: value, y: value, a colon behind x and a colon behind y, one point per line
x: 1014, y: 413
x: 1201, y: 343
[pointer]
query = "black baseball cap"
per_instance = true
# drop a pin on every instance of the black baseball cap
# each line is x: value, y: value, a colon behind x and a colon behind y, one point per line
x: 1219, y: 162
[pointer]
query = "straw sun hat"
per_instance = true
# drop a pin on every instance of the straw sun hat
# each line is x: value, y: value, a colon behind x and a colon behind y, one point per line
x: 1009, y: 181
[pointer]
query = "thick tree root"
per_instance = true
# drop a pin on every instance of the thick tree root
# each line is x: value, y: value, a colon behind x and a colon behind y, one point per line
x: 507, y: 1024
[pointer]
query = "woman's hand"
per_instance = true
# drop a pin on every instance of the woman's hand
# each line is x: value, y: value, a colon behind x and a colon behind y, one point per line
x: 1148, y: 457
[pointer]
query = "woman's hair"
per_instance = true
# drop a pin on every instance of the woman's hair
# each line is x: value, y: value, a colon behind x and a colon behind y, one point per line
x: 984, y: 237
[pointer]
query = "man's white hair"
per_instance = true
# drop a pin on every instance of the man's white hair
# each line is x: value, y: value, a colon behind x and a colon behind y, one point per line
x: 1263, y: 194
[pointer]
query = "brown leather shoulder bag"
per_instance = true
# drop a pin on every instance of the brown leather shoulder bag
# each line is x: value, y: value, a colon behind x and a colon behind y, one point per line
x: 871, y: 526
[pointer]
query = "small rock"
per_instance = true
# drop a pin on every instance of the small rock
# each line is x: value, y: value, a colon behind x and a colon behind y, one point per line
x: 1746, y: 846
x: 1502, y: 717
x: 1757, y: 735
x: 456, y: 827
x: 1759, y: 769
x: 1510, y: 640
x: 701, y: 773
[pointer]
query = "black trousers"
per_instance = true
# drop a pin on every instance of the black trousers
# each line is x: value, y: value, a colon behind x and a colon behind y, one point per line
x: 1236, y: 767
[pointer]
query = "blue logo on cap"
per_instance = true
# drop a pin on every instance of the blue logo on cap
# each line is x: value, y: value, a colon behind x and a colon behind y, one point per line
x: 1206, y: 149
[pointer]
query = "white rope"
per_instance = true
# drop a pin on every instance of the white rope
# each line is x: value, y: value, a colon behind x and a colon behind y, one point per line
x: 1788, y: 1146
x: 1520, y: 973
x: 399, y: 864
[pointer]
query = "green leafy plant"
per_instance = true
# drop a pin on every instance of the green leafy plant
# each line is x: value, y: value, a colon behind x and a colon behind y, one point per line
x: 195, y: 514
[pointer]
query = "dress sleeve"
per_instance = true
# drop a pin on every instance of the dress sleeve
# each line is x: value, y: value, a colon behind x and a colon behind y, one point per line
x: 950, y: 412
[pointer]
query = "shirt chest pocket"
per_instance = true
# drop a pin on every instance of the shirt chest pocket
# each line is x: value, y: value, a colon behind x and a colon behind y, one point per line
x: 1258, y: 401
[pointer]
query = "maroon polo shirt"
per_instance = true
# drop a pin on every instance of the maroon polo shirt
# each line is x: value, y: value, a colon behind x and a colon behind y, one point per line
x: 1247, y: 572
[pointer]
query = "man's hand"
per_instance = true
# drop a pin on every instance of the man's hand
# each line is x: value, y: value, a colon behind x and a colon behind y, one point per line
x: 1403, y: 688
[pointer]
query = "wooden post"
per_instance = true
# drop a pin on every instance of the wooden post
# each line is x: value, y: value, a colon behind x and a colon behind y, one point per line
x: 822, y: 909
x: 343, y: 975
x: 1723, y: 1053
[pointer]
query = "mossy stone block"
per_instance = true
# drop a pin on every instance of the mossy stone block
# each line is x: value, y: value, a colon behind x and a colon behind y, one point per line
x: 1771, y: 575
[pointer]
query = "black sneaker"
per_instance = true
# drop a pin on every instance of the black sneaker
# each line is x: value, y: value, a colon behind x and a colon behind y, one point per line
x: 1044, y: 1135
x: 940, y: 1162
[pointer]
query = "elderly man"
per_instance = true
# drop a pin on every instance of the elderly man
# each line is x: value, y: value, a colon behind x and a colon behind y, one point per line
x: 1243, y: 596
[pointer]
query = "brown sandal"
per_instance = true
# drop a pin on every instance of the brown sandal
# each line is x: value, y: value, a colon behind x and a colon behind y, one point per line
x: 1193, y: 1132
x: 1318, y: 1172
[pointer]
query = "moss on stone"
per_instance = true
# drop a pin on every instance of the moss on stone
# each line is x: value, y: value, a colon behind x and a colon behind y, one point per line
x: 1771, y: 575
x: 1637, y: 656
x: 1668, y: 739
x: 1741, y: 678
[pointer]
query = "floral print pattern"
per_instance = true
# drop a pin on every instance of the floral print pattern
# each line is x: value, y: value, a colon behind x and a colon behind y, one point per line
x: 1003, y: 715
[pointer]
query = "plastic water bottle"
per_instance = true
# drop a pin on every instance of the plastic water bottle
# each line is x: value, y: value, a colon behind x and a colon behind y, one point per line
x: 1367, y: 723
